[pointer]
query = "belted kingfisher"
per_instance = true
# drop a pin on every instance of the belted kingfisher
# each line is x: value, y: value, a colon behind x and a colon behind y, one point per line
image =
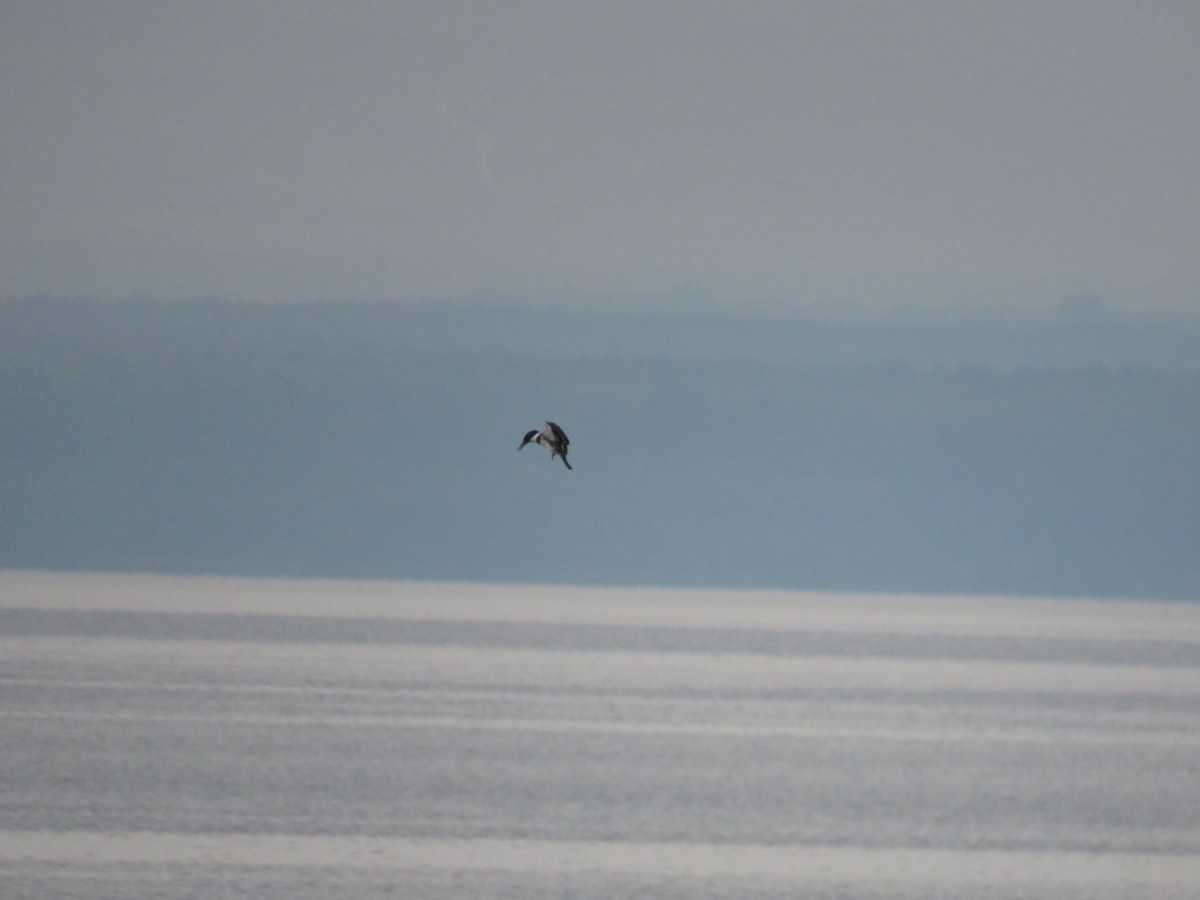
x: 553, y: 439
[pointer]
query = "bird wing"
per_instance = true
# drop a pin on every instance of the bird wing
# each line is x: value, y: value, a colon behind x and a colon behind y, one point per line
x: 559, y: 435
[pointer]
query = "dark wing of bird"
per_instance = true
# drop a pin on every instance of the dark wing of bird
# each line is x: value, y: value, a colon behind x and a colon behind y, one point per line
x: 560, y: 436
x: 563, y: 441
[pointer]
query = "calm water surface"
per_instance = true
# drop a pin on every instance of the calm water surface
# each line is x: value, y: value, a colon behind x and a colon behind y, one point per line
x: 195, y: 737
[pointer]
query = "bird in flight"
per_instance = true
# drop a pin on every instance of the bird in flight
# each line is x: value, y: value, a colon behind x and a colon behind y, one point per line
x: 553, y: 439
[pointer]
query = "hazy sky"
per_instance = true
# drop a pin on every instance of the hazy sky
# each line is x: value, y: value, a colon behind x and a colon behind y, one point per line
x: 775, y: 153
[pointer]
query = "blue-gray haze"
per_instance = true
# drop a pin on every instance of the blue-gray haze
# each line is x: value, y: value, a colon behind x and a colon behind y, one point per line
x: 371, y: 440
